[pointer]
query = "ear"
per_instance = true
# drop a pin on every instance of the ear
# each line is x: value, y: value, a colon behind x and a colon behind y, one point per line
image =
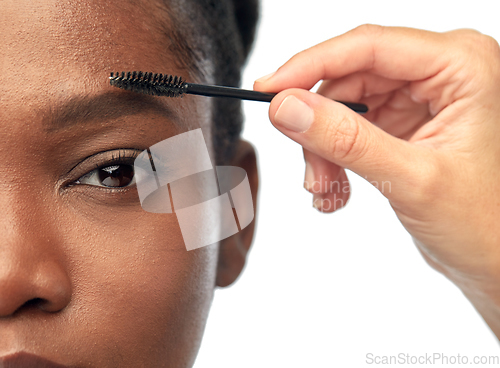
x: 233, y: 250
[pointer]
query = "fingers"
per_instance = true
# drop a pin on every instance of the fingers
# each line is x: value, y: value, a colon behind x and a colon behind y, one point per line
x: 406, y: 77
x: 318, y: 171
x: 326, y: 181
x: 338, y: 135
x: 357, y: 86
x: 392, y: 52
x: 391, y: 106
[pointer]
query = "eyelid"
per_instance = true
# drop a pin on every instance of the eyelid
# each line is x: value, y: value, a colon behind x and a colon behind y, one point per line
x: 102, y: 159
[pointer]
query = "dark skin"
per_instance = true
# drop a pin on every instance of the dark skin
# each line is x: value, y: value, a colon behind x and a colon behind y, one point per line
x: 87, y: 277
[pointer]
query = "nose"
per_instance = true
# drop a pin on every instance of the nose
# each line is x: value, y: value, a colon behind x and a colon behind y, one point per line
x: 32, y: 273
x: 44, y: 285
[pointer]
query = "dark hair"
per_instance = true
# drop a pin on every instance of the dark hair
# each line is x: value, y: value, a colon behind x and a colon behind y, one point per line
x: 220, y: 32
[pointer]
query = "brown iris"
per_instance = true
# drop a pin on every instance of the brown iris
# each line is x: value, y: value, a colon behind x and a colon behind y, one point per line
x: 116, y: 175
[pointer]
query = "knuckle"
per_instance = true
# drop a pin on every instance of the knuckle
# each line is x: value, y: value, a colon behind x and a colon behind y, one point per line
x: 370, y: 33
x: 369, y: 29
x: 428, y: 183
x: 490, y: 45
x: 296, y: 58
x: 463, y: 34
x: 310, y: 57
x: 342, y: 140
x: 488, y: 41
x: 472, y: 41
x: 476, y: 57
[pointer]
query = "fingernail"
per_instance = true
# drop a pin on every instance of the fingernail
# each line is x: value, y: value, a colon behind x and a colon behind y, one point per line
x: 294, y: 114
x: 318, y: 201
x: 265, y: 78
x: 309, y: 177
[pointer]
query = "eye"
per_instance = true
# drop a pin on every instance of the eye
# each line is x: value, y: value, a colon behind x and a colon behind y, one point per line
x: 112, y: 170
x: 115, y: 176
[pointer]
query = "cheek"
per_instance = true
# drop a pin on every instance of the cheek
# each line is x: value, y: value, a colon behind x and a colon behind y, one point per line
x: 138, y: 293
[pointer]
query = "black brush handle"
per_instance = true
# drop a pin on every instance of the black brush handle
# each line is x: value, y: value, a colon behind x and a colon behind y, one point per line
x: 221, y: 91
x: 244, y: 94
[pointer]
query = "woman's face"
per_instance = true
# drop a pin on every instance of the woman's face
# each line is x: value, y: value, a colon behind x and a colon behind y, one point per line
x: 87, y: 277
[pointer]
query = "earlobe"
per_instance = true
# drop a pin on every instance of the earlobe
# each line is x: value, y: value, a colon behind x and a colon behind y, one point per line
x: 233, y: 250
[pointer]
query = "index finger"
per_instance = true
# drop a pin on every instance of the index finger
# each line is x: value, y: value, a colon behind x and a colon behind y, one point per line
x: 392, y: 52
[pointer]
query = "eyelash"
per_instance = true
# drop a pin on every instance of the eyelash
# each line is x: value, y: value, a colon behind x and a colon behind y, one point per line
x: 124, y: 157
x: 119, y: 159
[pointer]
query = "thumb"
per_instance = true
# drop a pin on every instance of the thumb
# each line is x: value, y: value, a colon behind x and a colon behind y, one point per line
x: 399, y: 169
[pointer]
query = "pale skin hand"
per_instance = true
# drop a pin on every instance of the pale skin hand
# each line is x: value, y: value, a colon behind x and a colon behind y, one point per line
x: 433, y: 132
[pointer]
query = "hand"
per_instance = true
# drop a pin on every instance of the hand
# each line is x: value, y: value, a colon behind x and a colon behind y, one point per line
x: 432, y: 136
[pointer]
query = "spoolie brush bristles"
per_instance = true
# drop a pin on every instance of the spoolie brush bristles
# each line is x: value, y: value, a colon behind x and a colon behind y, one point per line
x: 149, y: 83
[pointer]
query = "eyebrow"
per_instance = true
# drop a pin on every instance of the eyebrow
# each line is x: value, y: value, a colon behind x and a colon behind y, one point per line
x: 109, y: 105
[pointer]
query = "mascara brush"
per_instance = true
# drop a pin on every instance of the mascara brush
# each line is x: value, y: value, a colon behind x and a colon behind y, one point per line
x: 173, y: 86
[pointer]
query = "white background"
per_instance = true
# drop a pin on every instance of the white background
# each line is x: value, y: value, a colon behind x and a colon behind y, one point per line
x: 324, y: 290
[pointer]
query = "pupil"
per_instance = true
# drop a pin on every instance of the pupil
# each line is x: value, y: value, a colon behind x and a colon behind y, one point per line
x: 116, y: 176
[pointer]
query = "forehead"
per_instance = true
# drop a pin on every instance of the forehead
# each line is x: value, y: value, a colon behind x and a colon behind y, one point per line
x: 62, y: 43
x: 53, y: 50
x: 73, y: 30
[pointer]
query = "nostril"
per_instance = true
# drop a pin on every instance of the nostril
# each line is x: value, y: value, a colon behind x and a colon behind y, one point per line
x: 33, y: 303
x: 45, y: 289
